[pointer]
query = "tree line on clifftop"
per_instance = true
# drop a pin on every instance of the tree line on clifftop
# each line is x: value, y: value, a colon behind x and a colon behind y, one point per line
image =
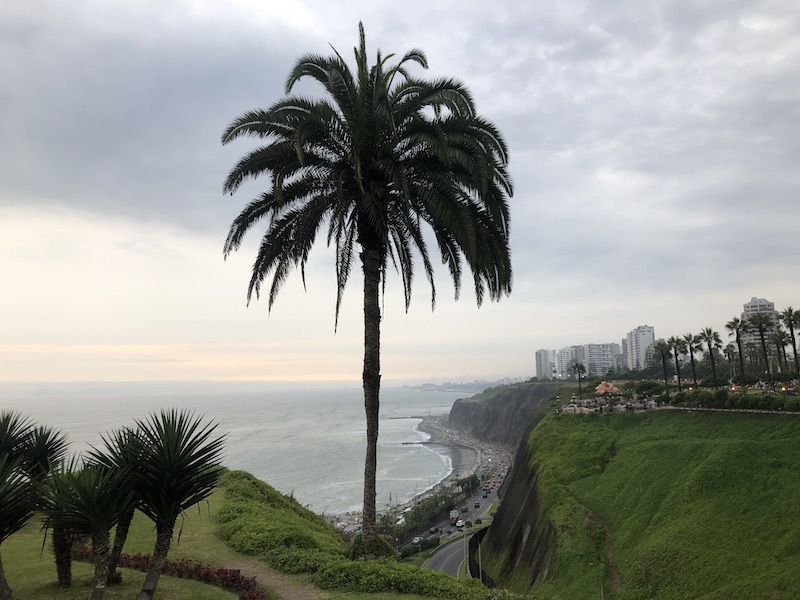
x: 703, y: 355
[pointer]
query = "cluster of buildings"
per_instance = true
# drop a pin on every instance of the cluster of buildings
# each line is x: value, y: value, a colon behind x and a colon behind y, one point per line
x: 634, y: 351
x: 598, y: 359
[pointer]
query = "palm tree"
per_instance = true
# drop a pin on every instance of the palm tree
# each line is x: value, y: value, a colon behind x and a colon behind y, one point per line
x: 791, y: 319
x: 579, y: 369
x: 691, y: 342
x: 762, y: 322
x: 730, y: 349
x: 123, y: 450
x: 678, y: 346
x: 87, y: 500
x: 382, y: 159
x: 17, y: 504
x: 779, y: 338
x: 179, y: 468
x: 43, y: 449
x: 713, y: 343
x: 738, y: 327
x: 661, y: 347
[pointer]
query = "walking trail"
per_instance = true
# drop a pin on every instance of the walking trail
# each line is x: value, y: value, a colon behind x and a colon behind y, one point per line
x: 283, y: 586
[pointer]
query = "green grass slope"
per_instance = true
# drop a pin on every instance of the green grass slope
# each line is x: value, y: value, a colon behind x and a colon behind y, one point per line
x: 664, y: 505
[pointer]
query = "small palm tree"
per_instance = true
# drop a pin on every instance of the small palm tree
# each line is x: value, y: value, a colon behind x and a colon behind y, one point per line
x: 87, y: 500
x: 123, y: 450
x: 738, y: 327
x: 179, y: 468
x: 17, y: 494
x: 713, y: 343
x: 791, y: 319
x: 17, y: 505
x: 691, y: 343
x: 678, y: 347
x: 43, y: 449
x: 661, y: 347
x: 381, y: 161
x: 579, y: 369
x: 762, y: 323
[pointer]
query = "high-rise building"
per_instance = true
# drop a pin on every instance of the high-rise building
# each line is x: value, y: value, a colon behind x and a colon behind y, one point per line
x: 545, y: 364
x: 756, y: 306
x: 637, y: 342
x: 599, y: 359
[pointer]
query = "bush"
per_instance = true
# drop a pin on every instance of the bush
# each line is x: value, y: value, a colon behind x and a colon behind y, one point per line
x: 380, y: 548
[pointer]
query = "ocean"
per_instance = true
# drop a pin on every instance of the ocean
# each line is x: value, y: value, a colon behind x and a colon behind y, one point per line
x: 308, y: 441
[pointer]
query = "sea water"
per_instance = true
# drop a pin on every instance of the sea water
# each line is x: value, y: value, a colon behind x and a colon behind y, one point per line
x: 305, y: 441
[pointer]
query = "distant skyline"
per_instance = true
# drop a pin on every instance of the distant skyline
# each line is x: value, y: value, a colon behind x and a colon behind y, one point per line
x: 653, y: 146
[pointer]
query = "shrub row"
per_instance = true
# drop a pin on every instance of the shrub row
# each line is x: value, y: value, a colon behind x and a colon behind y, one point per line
x: 724, y: 398
x: 228, y: 579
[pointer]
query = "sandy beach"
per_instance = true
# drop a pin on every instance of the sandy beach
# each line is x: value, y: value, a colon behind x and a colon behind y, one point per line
x: 464, y: 453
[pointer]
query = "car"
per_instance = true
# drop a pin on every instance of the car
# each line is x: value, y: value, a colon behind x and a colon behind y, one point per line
x: 485, y: 495
x: 464, y: 509
x: 416, y: 540
x: 434, y: 530
x: 460, y: 523
x: 477, y: 505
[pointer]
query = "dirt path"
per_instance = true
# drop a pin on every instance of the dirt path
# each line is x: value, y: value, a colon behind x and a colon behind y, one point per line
x: 281, y: 585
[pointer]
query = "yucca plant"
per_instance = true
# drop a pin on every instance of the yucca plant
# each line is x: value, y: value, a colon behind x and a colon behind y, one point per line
x: 123, y: 449
x: 179, y: 468
x: 85, y: 499
x: 17, y: 502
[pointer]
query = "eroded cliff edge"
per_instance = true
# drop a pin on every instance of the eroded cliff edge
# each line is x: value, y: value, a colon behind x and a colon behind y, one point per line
x: 501, y: 416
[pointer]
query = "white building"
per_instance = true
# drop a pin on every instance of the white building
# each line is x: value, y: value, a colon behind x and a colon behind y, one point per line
x: 756, y: 306
x: 637, y: 342
x: 599, y: 359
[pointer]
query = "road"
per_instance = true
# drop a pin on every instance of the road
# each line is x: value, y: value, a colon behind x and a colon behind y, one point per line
x: 449, y: 557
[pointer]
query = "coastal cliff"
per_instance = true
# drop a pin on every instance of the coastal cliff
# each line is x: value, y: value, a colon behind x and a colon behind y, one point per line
x: 500, y: 416
x: 657, y: 505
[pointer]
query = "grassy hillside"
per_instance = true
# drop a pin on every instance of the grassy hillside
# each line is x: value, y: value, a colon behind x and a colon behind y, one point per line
x: 663, y: 505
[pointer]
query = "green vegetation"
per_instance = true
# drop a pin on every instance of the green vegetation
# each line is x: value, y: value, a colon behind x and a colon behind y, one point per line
x: 661, y: 505
x: 258, y: 521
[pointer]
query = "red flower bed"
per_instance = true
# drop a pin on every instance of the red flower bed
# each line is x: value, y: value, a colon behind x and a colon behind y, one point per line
x: 228, y: 579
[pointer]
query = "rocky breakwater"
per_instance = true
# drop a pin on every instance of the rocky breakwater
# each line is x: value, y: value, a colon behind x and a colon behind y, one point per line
x: 500, y: 416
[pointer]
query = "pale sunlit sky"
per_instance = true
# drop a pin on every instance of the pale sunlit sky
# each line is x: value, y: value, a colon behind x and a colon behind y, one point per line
x: 655, y: 150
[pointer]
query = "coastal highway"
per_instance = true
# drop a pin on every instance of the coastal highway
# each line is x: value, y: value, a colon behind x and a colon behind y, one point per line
x: 448, y: 558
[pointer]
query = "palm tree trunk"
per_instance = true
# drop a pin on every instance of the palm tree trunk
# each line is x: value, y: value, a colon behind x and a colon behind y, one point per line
x: 100, y: 543
x: 794, y: 352
x: 163, y: 540
x: 677, y: 368
x: 5, y: 590
x: 62, y: 551
x: 766, y: 354
x: 741, y: 352
x: 664, y: 364
x: 371, y: 378
x: 121, y: 534
x: 713, y: 365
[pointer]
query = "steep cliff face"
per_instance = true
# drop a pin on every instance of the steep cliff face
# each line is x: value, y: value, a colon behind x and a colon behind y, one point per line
x: 520, y: 543
x: 501, y: 416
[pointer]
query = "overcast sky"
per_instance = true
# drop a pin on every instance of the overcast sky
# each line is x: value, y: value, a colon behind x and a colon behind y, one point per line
x: 655, y: 151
